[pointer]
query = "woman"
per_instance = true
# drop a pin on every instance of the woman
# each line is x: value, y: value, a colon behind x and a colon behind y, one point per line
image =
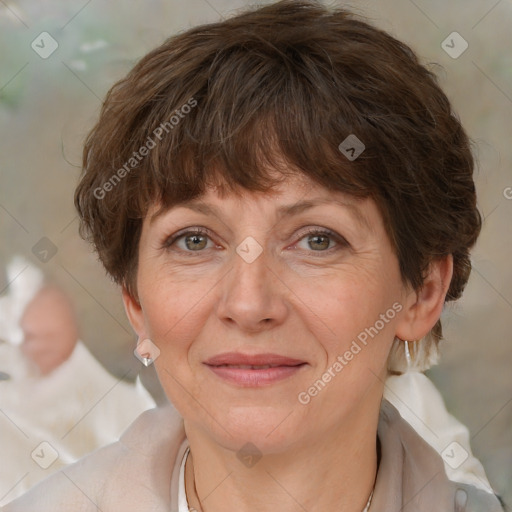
x: 287, y: 202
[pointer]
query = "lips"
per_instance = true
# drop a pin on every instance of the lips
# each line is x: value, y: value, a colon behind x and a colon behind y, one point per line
x: 237, y: 359
x: 248, y: 366
x: 253, y: 370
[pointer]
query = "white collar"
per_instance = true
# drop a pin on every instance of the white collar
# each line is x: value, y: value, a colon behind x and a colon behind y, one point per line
x: 182, y: 496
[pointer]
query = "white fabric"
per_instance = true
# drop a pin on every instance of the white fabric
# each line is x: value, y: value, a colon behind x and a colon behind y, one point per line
x: 24, y: 280
x: 419, y: 402
x: 182, y: 495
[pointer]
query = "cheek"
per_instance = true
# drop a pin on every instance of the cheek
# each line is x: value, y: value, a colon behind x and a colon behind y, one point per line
x: 172, y: 324
x: 358, y: 309
x: 38, y: 346
x: 174, y: 316
x: 353, y: 323
x: 343, y: 303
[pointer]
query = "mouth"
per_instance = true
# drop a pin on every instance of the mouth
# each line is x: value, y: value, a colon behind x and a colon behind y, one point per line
x: 254, y: 370
x: 251, y: 366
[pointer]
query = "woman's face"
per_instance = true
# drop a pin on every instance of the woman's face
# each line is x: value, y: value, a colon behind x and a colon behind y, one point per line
x: 304, y: 280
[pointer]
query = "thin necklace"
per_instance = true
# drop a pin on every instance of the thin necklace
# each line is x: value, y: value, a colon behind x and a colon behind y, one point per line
x: 196, y: 496
x: 369, y: 501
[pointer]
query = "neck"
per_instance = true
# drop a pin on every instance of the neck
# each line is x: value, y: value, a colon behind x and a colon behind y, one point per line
x: 334, y: 473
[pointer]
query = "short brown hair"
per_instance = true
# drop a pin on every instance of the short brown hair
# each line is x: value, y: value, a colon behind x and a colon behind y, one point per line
x: 285, y: 82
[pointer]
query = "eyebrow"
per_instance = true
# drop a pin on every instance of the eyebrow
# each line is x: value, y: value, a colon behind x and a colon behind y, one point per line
x: 282, y: 212
x: 300, y: 206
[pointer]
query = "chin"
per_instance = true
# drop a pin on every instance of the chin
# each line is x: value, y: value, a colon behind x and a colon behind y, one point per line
x: 269, y: 429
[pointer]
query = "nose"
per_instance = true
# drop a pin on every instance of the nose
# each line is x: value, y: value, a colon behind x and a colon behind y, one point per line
x: 253, y: 297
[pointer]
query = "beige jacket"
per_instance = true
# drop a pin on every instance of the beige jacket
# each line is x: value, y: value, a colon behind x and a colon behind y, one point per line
x: 140, y: 473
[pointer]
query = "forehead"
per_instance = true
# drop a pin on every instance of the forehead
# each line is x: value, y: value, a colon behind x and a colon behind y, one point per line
x: 291, y: 196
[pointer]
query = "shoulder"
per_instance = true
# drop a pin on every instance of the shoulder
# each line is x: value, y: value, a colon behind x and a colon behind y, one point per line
x: 121, y: 476
x: 412, y: 469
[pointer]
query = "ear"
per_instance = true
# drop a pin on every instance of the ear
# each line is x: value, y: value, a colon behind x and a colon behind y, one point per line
x: 134, y: 313
x: 423, y: 308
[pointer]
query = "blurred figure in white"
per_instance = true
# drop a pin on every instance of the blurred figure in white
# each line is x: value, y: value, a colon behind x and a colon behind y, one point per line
x: 52, y: 390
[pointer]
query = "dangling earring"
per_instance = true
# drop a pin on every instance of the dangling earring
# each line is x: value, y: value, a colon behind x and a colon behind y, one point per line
x: 146, y: 352
x: 407, y: 355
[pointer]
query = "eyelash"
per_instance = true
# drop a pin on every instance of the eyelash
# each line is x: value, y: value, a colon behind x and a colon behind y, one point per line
x: 341, y: 241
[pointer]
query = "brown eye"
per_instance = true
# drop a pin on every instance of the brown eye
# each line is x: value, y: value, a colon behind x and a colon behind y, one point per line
x: 319, y: 242
x: 196, y: 242
x: 191, y: 240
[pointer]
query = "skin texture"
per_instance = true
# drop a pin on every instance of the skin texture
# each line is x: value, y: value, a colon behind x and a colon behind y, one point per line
x: 50, y: 329
x: 304, y: 297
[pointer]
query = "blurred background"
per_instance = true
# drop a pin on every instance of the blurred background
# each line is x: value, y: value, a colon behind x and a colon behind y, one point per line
x: 57, y: 61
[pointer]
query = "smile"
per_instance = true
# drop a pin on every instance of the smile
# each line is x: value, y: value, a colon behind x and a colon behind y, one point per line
x: 248, y: 366
x: 254, y: 370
